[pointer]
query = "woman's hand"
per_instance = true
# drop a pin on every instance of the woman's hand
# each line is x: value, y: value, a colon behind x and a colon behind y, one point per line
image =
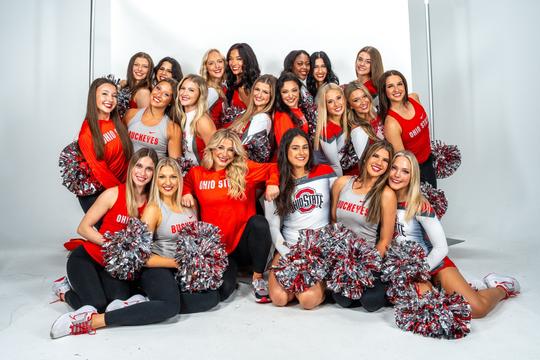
x: 381, y: 249
x: 188, y: 200
x: 271, y: 193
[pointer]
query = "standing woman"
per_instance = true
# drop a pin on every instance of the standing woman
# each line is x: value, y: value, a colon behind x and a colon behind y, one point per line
x: 298, y: 176
x: 369, y: 68
x: 89, y: 283
x: 332, y: 127
x: 320, y: 72
x: 167, y: 68
x: 139, y: 81
x: 213, y: 71
x: 224, y: 187
x: 418, y: 222
x: 157, y: 126
x: 242, y: 71
x: 363, y: 120
x: 192, y: 110
x: 256, y: 121
x: 405, y: 121
x: 297, y: 62
x: 103, y: 139
x: 288, y: 115
x: 367, y: 206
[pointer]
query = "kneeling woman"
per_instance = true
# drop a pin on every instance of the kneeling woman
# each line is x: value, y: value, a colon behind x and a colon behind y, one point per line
x: 224, y: 187
x: 417, y: 222
x: 298, y: 176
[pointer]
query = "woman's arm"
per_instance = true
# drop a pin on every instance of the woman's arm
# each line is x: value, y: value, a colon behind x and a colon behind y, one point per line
x: 130, y: 114
x: 142, y: 98
x: 331, y: 151
x: 205, y: 128
x: 174, y: 145
x: 388, y: 219
x: 103, y: 204
x: 392, y: 133
x: 360, y: 140
x: 336, y: 190
x: 274, y: 222
x: 434, y: 230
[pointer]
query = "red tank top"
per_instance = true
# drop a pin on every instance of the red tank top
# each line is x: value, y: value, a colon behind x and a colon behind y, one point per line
x: 415, y: 131
x: 236, y: 101
x: 371, y: 87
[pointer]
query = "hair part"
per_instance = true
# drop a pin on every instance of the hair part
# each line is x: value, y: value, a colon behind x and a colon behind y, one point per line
x: 155, y: 194
x: 280, y: 104
x: 322, y: 113
x: 414, y: 199
x: 131, y: 202
x: 176, y: 69
x: 384, y: 101
x: 203, y: 71
x: 331, y: 77
x: 353, y: 118
x: 201, y: 105
x: 250, y: 70
x: 131, y: 82
x: 376, y: 66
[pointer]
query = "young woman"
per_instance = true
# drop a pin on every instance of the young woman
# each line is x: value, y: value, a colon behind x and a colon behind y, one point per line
x: 242, y: 71
x: 213, y: 71
x: 163, y: 214
x: 139, y: 81
x: 224, y: 186
x: 288, y: 115
x: 103, y: 139
x: 256, y: 121
x: 320, y: 72
x: 363, y: 121
x: 303, y: 203
x: 157, y: 126
x: 367, y: 206
x: 405, y: 121
x: 167, y: 68
x: 191, y: 109
x: 417, y: 222
x: 332, y: 126
x: 89, y: 284
x: 369, y: 68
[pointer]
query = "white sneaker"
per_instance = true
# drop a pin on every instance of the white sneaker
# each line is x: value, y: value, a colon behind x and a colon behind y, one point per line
x: 477, y: 284
x: 74, y: 323
x: 61, y: 287
x: 509, y: 284
x: 120, y: 304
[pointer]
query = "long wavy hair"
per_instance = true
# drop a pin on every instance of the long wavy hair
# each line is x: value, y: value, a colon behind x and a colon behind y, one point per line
x: 322, y: 113
x: 330, y: 76
x: 240, y: 122
x: 384, y: 101
x: 374, y: 195
x: 286, y: 180
x: 92, y: 116
x: 202, y: 103
x: 131, y: 203
x: 250, y: 70
x: 355, y: 119
x: 415, y: 200
x: 203, y: 71
x: 237, y: 170
x: 155, y: 195
x: 131, y: 83
x: 376, y: 66
x: 176, y: 69
x: 280, y: 104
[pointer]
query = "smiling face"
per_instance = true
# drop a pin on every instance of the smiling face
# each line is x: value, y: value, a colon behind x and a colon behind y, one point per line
x: 188, y: 94
x: 301, y: 66
x: 105, y: 100
x: 215, y: 65
x: 236, y: 63
x: 363, y: 65
x: 261, y: 95
x: 223, y: 154
x: 140, y: 69
x: 400, y: 174
x: 142, y: 172
x: 290, y: 93
x: 164, y: 71
x: 168, y: 181
x: 395, y: 88
x: 377, y: 163
x: 360, y: 102
x: 320, y: 70
x: 298, y: 152
x: 335, y: 103
x: 161, y: 95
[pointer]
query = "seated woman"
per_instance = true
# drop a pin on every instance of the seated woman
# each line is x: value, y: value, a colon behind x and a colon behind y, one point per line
x: 157, y: 126
x: 366, y: 205
x: 225, y: 188
x: 287, y: 217
x: 417, y: 222
x: 90, y: 288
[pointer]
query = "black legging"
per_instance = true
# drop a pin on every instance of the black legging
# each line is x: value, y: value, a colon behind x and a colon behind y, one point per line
x: 372, y: 298
x: 252, y: 249
x: 86, y: 203
x: 90, y: 282
x: 427, y: 172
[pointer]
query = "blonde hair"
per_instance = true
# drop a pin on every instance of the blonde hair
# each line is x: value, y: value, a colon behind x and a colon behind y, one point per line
x: 415, y: 199
x: 203, y: 71
x: 322, y: 113
x: 155, y: 195
x: 131, y: 203
x: 202, y: 103
x: 237, y: 170
x: 242, y: 120
x: 353, y: 119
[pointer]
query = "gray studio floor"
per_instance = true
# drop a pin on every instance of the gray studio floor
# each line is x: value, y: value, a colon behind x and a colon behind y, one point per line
x: 241, y: 329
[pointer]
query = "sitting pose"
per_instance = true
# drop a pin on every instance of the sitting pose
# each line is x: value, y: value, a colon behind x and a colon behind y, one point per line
x: 367, y: 206
x: 416, y: 221
x: 90, y: 287
x: 303, y: 203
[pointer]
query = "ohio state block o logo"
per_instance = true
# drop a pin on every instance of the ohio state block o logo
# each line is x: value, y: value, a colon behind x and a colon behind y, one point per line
x: 303, y: 200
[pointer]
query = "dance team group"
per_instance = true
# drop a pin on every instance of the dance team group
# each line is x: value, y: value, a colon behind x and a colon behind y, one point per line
x: 265, y: 158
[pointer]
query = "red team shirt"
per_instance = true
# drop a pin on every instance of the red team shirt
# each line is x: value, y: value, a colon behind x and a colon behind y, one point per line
x: 283, y: 122
x: 210, y: 187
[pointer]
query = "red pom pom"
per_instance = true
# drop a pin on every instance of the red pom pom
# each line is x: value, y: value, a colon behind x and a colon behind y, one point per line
x: 76, y: 174
x: 436, y: 198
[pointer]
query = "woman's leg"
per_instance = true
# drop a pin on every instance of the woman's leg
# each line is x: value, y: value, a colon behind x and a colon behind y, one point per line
x: 374, y: 297
x: 114, y: 288
x: 312, y: 297
x: 229, y: 280
x: 254, y: 245
x: 278, y: 295
x: 427, y: 172
x: 198, y: 302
